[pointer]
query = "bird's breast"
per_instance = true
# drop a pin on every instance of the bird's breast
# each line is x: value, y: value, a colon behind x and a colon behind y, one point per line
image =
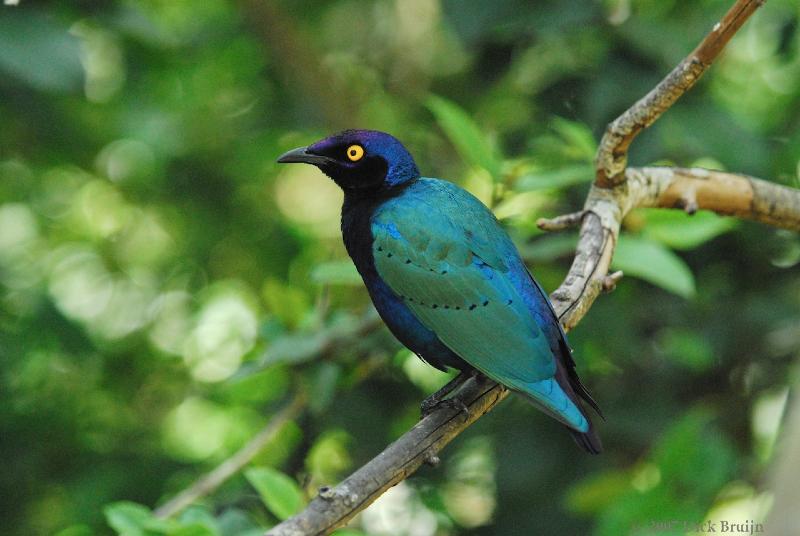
x: 357, y: 235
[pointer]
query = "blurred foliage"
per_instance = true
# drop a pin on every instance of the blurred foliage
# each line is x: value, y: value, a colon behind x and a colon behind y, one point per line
x: 166, y: 287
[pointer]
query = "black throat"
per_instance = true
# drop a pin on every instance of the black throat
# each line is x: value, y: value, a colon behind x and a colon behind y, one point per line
x: 357, y: 211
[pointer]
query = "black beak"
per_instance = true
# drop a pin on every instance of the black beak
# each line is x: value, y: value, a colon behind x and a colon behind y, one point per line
x: 302, y: 156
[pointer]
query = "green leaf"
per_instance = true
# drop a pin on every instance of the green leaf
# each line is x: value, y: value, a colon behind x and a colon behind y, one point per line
x: 39, y: 52
x: 290, y: 304
x: 336, y: 273
x: 132, y: 519
x: 260, y: 386
x: 300, y: 346
x: 784, y: 247
x: 294, y: 348
x: 281, y: 494
x: 687, y: 348
x: 597, y: 491
x: 687, y: 465
x: 329, y: 456
x: 577, y: 136
x: 194, y: 529
x: 278, y: 449
x: 324, y: 378
x: 655, y: 264
x: 694, y: 457
x: 76, y: 530
x: 556, y: 178
x: 548, y: 248
x: 196, y: 521
x: 465, y: 135
x: 127, y: 517
x: 680, y: 230
x: 236, y: 522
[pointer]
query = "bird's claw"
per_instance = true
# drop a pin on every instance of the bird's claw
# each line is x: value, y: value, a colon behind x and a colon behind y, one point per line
x: 428, y: 406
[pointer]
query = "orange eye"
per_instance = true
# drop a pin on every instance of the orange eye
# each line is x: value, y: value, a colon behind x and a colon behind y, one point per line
x: 355, y: 153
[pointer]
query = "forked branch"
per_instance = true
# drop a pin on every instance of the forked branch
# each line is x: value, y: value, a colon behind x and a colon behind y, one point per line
x: 616, y: 192
x: 724, y: 193
x: 612, y: 154
x: 209, y: 482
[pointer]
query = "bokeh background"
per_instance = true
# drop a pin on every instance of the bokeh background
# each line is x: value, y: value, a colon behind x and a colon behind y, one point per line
x: 166, y: 287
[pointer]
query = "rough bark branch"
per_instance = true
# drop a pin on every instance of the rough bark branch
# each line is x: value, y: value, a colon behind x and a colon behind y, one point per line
x: 652, y: 187
x: 209, y: 482
x: 334, y: 507
x: 616, y: 192
x: 724, y: 193
x: 612, y: 154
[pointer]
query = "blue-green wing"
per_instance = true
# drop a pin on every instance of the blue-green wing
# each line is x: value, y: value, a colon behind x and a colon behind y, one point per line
x: 444, y: 254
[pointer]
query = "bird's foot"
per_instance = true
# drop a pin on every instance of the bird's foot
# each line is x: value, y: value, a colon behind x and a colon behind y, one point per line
x: 433, y: 401
x: 429, y: 406
x: 477, y: 376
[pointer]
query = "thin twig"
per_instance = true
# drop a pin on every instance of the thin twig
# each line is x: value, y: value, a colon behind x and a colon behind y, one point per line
x: 560, y: 223
x: 209, y: 482
x: 612, y: 154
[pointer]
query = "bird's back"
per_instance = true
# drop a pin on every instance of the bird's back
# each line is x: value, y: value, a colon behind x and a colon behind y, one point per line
x: 446, y: 256
x: 445, y: 276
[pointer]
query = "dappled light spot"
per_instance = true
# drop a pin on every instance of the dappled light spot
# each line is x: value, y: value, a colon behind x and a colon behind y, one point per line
x: 646, y: 477
x: 18, y: 228
x: 126, y: 159
x: 195, y: 429
x: 425, y: 377
x: 109, y: 305
x: 103, y: 62
x: 768, y: 411
x: 79, y: 283
x: 470, y: 491
x: 399, y: 511
x: 171, y: 324
x: 225, y: 330
x: 742, y: 508
x: 101, y: 209
x: 308, y: 198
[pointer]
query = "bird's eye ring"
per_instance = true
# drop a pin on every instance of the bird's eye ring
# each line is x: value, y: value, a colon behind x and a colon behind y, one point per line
x: 355, y: 153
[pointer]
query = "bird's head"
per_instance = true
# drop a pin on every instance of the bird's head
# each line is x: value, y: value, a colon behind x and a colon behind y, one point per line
x: 359, y: 160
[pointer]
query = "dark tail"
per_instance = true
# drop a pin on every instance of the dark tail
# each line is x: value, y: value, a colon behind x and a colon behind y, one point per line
x: 568, y: 379
x: 588, y: 441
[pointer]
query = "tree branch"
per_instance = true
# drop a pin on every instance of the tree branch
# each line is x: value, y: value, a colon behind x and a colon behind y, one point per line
x: 688, y: 189
x: 616, y: 192
x: 209, y: 482
x: 612, y: 154
x: 729, y: 194
x: 724, y: 193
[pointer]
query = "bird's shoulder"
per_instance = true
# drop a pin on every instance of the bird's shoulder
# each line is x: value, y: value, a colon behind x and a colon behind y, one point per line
x: 439, y: 217
x: 439, y: 198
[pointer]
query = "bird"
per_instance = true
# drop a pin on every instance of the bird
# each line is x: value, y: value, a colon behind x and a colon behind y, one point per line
x: 446, y: 278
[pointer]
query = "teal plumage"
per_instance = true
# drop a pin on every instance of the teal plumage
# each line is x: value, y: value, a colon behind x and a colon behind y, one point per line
x: 446, y: 278
x: 451, y: 268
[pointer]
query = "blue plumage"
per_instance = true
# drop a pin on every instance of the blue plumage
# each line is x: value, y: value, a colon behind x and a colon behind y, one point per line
x: 446, y: 278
